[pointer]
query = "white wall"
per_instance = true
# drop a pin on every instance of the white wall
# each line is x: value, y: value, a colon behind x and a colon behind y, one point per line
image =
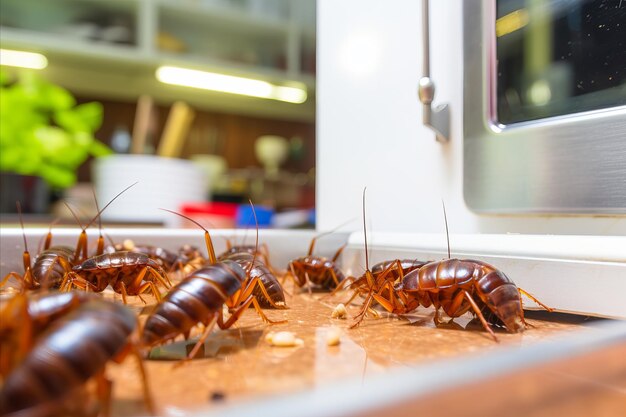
x: 369, y: 130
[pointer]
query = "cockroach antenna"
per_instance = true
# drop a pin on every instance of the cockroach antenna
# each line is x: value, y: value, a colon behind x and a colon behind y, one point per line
x: 26, y: 253
x: 19, y: 211
x: 46, y: 241
x: 109, y: 203
x: 207, y: 235
x: 74, y: 215
x: 82, y: 239
x: 256, y: 245
x: 445, y: 219
x: 328, y: 232
x: 367, y: 260
x: 100, y: 248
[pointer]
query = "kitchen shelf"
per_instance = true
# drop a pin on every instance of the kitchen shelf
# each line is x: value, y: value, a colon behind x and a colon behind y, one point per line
x: 213, y: 37
x: 223, y: 16
x: 60, y: 44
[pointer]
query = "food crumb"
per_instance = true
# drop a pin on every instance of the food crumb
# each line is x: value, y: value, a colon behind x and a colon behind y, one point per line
x: 333, y: 336
x: 283, y: 339
x: 217, y: 396
x: 339, y: 312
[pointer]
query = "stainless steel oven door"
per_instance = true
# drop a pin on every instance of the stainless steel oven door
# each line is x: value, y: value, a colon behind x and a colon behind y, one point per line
x: 572, y: 163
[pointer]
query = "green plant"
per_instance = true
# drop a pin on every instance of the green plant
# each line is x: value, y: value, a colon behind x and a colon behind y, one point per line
x: 43, y: 132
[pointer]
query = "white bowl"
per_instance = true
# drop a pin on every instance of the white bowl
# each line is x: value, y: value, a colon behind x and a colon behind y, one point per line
x: 161, y: 183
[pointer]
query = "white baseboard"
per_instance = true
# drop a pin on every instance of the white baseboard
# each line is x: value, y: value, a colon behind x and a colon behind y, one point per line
x: 573, y: 274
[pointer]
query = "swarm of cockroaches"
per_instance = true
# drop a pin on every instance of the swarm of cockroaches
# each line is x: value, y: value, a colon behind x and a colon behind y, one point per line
x: 56, y: 334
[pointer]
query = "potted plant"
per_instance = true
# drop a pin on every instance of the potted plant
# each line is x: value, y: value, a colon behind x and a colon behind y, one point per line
x: 44, y: 137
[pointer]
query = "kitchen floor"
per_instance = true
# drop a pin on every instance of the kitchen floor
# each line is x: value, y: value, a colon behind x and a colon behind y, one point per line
x: 238, y: 364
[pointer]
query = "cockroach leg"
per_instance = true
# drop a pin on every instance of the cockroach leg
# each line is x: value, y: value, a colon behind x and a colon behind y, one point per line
x: 527, y: 294
x: 456, y: 303
x: 203, y: 337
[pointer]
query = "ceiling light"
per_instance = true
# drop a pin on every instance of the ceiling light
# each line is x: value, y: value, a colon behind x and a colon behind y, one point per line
x: 293, y: 93
x: 22, y: 59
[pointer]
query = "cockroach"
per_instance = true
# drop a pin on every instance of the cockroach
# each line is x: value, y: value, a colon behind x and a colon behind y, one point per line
x: 460, y: 285
x: 316, y: 271
x: 186, y: 259
x: 274, y: 290
x: 262, y: 252
x: 128, y: 273
x: 272, y: 293
x: 165, y: 258
x: 66, y: 339
x: 378, y: 286
x: 398, y: 268
x: 386, y: 271
x: 24, y: 317
x: 257, y: 261
x: 190, y: 258
x: 53, y: 264
x: 50, y: 265
x: 199, y: 299
x: 378, y: 282
x: 251, y: 249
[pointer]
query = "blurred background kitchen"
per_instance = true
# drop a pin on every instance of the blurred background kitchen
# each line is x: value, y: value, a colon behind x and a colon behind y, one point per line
x: 204, y: 103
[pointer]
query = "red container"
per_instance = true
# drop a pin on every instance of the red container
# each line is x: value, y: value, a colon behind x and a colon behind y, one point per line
x: 214, y: 215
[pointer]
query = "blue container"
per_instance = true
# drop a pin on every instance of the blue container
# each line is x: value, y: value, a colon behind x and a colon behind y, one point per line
x: 245, y: 217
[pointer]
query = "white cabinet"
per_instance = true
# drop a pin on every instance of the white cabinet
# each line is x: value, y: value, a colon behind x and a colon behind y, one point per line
x: 113, y: 47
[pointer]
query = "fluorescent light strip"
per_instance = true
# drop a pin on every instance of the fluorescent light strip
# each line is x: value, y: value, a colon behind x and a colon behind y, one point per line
x: 22, y: 59
x: 230, y: 84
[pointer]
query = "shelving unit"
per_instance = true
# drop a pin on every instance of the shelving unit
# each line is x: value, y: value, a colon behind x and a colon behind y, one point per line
x: 112, y: 48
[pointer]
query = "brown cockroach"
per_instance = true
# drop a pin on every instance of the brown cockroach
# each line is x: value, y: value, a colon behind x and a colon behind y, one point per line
x: 397, y: 268
x: 381, y: 281
x: 316, y: 271
x: 165, y: 258
x: 53, y: 264
x: 256, y: 259
x: 233, y: 249
x: 24, y: 317
x: 190, y: 258
x: 272, y: 293
x: 200, y: 297
x: 50, y: 265
x: 458, y: 286
x: 378, y: 281
x: 65, y: 339
x: 274, y: 290
x: 186, y: 259
x: 377, y: 284
x: 128, y: 273
x: 262, y: 252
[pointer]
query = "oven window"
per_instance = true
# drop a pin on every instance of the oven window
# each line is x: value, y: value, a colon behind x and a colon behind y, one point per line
x: 556, y: 57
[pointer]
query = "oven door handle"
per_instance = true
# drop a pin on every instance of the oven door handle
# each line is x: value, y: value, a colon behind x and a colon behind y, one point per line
x: 437, y: 118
